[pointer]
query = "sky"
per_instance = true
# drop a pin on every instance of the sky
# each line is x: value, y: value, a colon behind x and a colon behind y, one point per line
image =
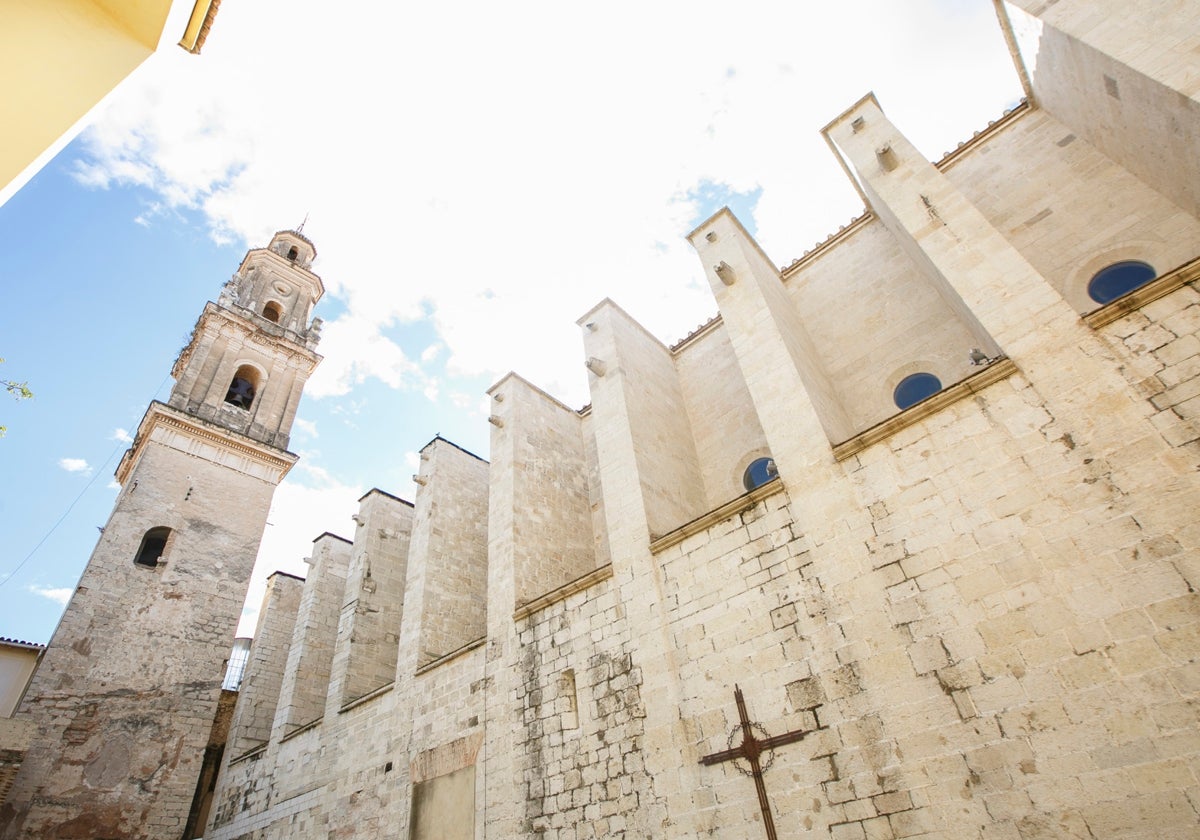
x: 475, y: 177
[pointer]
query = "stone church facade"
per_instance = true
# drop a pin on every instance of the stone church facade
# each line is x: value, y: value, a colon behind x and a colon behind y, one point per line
x: 902, y: 543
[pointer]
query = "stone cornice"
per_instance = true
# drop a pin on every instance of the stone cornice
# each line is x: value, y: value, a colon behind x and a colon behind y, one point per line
x: 174, y: 429
x: 984, y: 135
x: 454, y: 654
x: 282, y: 262
x: 703, y: 523
x: 563, y: 592
x: 250, y: 325
x: 1189, y: 272
x: 973, y: 384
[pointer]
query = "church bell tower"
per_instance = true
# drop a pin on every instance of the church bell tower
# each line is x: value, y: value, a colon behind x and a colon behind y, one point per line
x: 126, y: 691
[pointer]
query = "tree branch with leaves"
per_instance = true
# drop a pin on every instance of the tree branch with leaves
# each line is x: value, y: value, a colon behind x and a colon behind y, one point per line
x: 18, y: 391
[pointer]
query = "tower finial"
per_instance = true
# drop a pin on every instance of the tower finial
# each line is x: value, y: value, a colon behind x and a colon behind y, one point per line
x: 302, y: 224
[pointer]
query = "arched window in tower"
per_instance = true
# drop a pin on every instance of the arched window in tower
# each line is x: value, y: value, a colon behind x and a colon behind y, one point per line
x: 1119, y: 279
x: 759, y: 473
x: 293, y: 253
x: 243, y: 387
x: 912, y: 389
x: 154, y: 543
x: 272, y: 312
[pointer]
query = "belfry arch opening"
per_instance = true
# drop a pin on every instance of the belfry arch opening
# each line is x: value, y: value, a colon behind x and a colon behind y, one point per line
x: 273, y: 312
x: 243, y: 387
x: 154, y: 543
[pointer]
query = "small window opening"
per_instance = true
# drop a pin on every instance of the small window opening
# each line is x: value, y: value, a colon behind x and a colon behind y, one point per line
x: 152, y: 547
x: 1119, y: 279
x: 568, y: 700
x: 759, y: 473
x: 243, y: 387
x: 293, y: 253
x: 272, y: 312
x: 912, y: 389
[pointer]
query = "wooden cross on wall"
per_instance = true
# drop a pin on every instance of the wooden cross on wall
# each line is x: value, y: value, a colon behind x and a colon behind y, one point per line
x: 751, y: 747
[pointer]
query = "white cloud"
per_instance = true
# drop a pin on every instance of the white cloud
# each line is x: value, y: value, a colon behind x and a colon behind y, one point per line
x: 475, y: 192
x: 308, y: 427
x: 355, y: 350
x: 75, y: 465
x: 121, y: 436
x: 59, y: 595
x: 512, y: 198
x: 307, y: 503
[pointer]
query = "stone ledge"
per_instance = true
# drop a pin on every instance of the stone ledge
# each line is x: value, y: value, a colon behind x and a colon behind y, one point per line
x: 253, y: 752
x: 973, y: 384
x: 454, y: 654
x: 367, y: 698
x: 563, y: 592
x: 312, y: 724
x: 703, y: 523
x: 1162, y: 286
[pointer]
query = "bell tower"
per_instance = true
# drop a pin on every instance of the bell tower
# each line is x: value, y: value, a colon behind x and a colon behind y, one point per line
x: 252, y: 350
x: 126, y: 691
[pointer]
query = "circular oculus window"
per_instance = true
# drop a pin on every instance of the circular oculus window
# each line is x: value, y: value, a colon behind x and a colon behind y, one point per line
x: 283, y: 288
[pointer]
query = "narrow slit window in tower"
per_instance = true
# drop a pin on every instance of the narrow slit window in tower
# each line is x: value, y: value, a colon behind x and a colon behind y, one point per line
x: 568, y: 700
x: 153, y: 544
x: 243, y: 387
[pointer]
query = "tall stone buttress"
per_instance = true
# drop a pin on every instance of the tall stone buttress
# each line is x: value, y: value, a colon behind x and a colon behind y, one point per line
x: 127, y: 688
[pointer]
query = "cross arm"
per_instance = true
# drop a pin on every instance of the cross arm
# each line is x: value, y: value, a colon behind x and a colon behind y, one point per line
x: 786, y: 738
x: 723, y: 755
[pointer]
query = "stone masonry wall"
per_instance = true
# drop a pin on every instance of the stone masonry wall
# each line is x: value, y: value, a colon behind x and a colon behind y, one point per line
x: 258, y: 695
x: 1123, y: 77
x: 1015, y: 653
x: 307, y: 674
x: 727, y: 432
x: 448, y: 549
x: 580, y: 763
x: 373, y: 603
x: 1158, y: 351
x: 891, y: 322
x: 541, y: 449
x: 1126, y: 218
x: 123, y: 692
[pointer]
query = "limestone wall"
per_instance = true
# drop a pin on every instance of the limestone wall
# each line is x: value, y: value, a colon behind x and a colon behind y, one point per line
x: 720, y: 413
x: 579, y: 756
x: 539, y: 448
x: 1127, y: 219
x: 892, y: 322
x: 982, y: 620
x: 258, y: 694
x: 125, y: 695
x: 306, y: 676
x: 638, y: 404
x: 373, y: 603
x: 1122, y: 76
x: 448, y: 550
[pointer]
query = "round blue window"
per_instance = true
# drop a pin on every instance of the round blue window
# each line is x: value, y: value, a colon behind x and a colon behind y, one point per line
x: 1119, y: 279
x: 912, y: 389
x: 759, y: 473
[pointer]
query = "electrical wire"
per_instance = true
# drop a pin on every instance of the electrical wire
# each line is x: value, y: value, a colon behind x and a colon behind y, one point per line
x: 99, y: 472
